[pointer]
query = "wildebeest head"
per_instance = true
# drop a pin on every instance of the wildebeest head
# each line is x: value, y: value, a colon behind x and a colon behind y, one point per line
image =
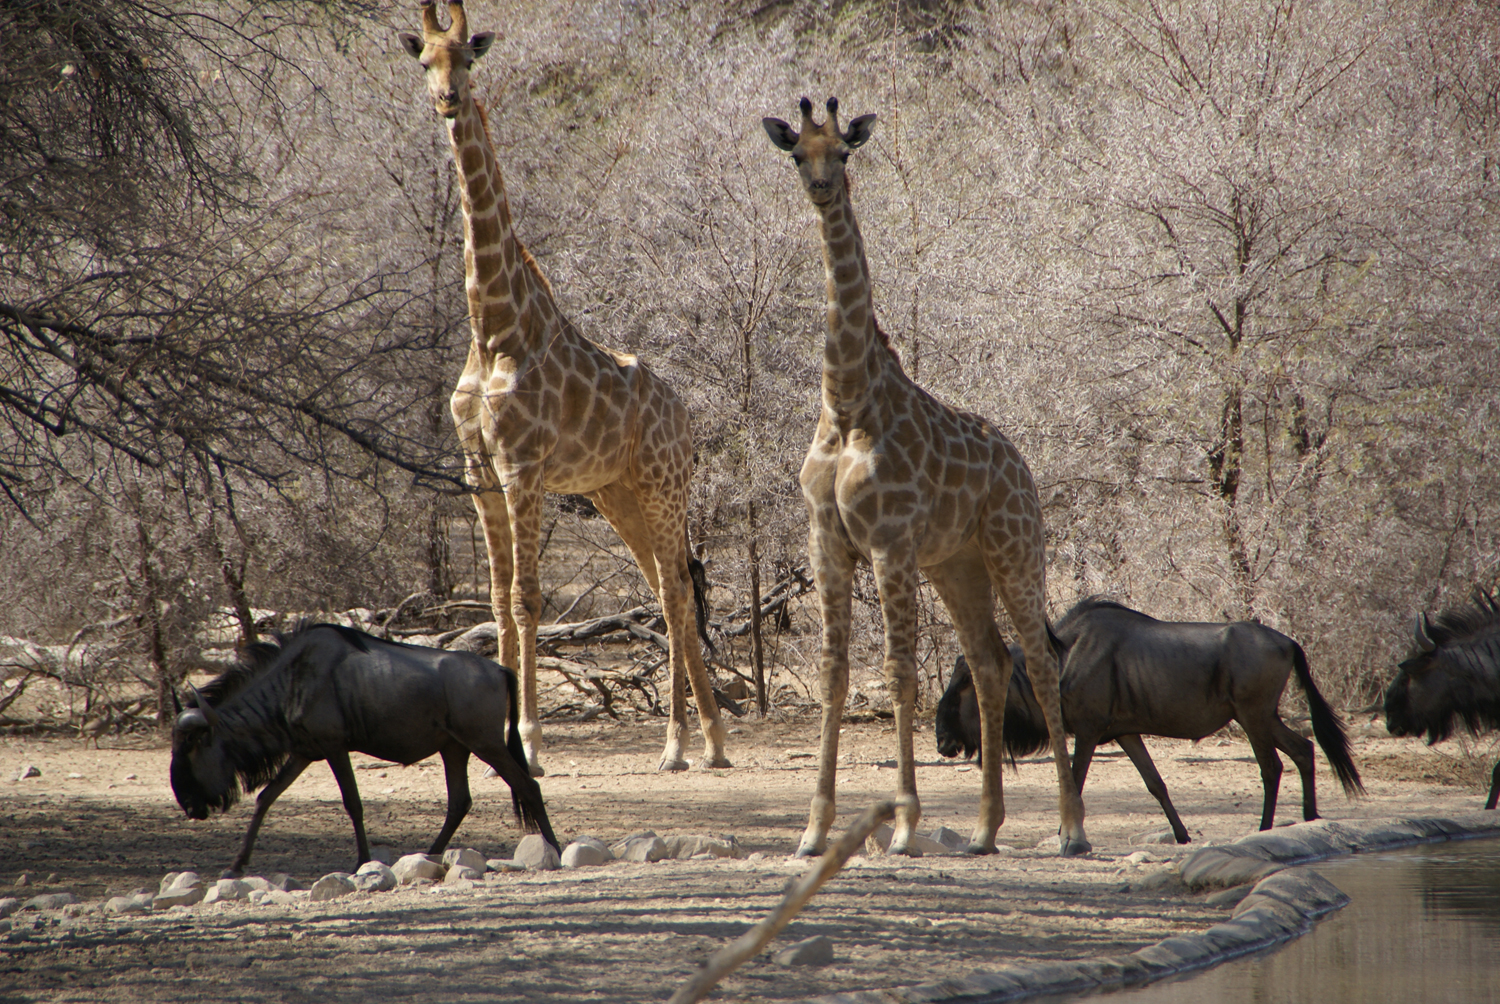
x: 957, y: 726
x: 1452, y: 674
x: 958, y: 719
x: 202, y: 776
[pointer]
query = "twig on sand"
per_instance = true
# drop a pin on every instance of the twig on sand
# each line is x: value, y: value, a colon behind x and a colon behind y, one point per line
x: 729, y: 958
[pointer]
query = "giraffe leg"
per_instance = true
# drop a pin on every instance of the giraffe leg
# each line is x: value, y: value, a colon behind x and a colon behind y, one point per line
x: 964, y: 587
x: 494, y: 517
x: 1021, y: 585
x: 896, y: 578
x: 833, y: 572
x: 523, y: 499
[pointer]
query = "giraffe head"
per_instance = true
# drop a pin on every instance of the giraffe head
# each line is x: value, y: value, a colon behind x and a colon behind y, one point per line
x: 446, y: 55
x: 820, y: 151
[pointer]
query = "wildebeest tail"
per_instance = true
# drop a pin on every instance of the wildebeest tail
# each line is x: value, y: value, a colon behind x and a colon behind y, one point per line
x: 699, y: 575
x: 525, y: 793
x: 1327, y: 727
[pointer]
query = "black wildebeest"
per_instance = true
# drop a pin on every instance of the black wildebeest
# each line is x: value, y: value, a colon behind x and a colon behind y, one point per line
x: 326, y: 690
x: 1452, y: 675
x: 1126, y: 675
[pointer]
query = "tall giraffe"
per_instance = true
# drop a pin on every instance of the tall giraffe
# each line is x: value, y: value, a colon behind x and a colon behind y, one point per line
x: 540, y: 407
x: 899, y: 479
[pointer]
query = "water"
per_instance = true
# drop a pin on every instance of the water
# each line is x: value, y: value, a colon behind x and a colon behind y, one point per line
x: 1423, y: 925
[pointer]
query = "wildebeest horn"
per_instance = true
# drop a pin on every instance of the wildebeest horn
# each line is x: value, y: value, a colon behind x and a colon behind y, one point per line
x: 1423, y: 637
x: 176, y: 704
x: 209, y: 714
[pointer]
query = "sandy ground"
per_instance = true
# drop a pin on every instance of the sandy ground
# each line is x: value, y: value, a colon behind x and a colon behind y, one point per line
x: 103, y: 822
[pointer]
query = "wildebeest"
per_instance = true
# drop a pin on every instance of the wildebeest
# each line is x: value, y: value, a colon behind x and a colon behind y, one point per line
x: 1452, y: 675
x: 1126, y: 674
x: 326, y: 690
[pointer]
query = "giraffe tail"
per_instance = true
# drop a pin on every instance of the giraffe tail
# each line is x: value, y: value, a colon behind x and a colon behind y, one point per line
x: 699, y: 575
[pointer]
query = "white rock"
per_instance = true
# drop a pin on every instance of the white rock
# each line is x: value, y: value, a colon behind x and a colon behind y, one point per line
x: 331, y: 886
x: 375, y: 876
x: 536, y: 854
x: 126, y: 904
x: 228, y: 889
x: 75, y: 776
x: 1154, y: 837
x: 255, y: 883
x: 586, y: 852
x: 180, y: 880
x: 284, y: 882
x: 815, y: 951
x: 417, y: 867
x: 879, y: 842
x: 461, y: 874
x: 683, y: 847
x: 179, y: 897
x: 951, y: 839
x: 618, y: 847
x: 467, y: 857
x: 503, y: 865
x: 274, y: 897
x: 27, y: 770
x: 1137, y: 857
x: 9, y: 905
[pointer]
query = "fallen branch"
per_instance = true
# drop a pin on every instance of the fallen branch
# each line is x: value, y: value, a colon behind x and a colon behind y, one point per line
x: 729, y: 958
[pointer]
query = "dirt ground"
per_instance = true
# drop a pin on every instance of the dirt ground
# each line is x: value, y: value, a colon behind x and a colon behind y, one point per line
x: 103, y: 822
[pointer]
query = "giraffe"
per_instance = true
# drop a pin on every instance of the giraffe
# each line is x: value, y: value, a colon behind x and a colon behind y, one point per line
x: 899, y: 479
x: 539, y: 407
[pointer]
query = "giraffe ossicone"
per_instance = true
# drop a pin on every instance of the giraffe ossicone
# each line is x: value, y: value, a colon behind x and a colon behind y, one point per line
x: 539, y: 407
x: 898, y: 479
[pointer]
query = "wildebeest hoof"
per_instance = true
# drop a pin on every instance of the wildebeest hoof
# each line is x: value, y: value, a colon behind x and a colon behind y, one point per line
x: 1069, y: 848
x: 672, y: 765
x: 716, y: 763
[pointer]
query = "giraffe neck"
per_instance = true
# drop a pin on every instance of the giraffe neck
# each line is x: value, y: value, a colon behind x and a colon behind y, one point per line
x: 510, y: 303
x: 856, y: 353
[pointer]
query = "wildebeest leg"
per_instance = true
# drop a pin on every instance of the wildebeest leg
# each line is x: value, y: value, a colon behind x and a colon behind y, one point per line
x: 1083, y: 755
x: 295, y: 765
x: 343, y: 773
x: 1136, y: 750
x: 456, y: 770
x: 1494, y: 787
x: 526, y: 794
x: 1301, y: 752
x: 1270, y: 768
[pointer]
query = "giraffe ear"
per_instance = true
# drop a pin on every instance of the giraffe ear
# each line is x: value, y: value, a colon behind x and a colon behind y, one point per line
x: 859, y: 131
x: 412, y: 44
x: 481, y: 43
x: 781, y: 134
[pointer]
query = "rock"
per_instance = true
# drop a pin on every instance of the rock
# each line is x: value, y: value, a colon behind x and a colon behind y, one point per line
x: 127, y: 904
x: 179, y: 889
x: 618, y: 847
x: 23, y: 879
x: 417, y: 867
x: 692, y: 846
x: 815, y: 951
x: 465, y: 858
x: 49, y: 901
x: 228, y: 889
x: 1137, y: 857
x: 879, y: 842
x: 503, y: 865
x: 586, y: 852
x: 536, y: 854
x: 1154, y: 837
x: 255, y: 883
x: 9, y: 905
x: 375, y: 876
x: 27, y: 770
x: 462, y: 875
x: 283, y: 882
x: 332, y: 886
x: 275, y: 897
x: 951, y: 839
x: 652, y: 848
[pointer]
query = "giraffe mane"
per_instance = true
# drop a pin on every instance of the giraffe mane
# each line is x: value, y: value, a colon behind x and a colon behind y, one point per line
x: 530, y: 262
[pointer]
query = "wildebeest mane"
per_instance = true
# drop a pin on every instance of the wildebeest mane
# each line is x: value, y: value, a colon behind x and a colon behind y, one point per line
x: 1462, y: 624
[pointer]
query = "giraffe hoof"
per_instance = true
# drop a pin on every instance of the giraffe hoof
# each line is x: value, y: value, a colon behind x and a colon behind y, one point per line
x: 979, y: 850
x: 716, y: 763
x: 537, y: 770
x: 1072, y: 848
x: 808, y: 851
x: 672, y: 765
x: 490, y: 772
x: 903, y: 852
